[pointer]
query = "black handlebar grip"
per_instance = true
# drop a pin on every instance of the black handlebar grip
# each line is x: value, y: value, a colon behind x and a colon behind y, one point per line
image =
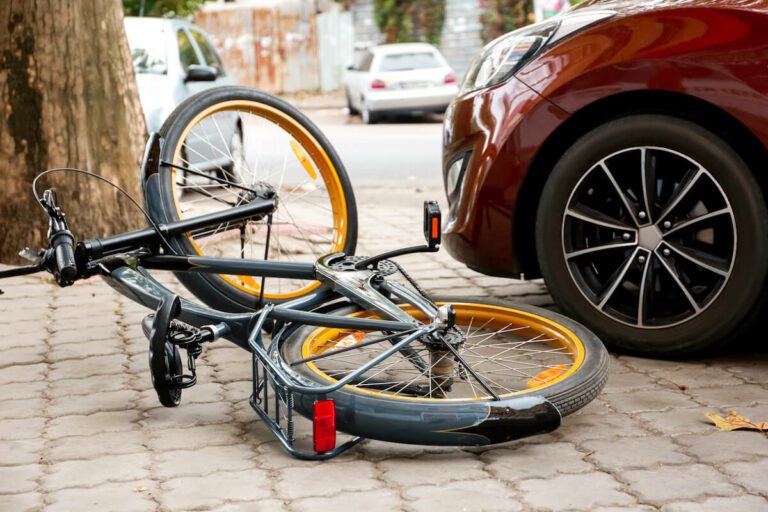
x: 63, y: 243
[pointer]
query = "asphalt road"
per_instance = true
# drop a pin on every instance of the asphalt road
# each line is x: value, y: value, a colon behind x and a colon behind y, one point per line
x: 396, y: 151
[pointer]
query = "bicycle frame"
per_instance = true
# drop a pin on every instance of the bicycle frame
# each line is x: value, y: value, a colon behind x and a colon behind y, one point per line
x: 532, y: 415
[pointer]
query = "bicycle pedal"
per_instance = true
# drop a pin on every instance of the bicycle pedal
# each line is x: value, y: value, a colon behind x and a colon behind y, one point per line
x: 165, y: 363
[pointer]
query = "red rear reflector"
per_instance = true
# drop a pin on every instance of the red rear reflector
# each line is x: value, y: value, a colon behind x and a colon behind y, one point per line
x: 450, y: 78
x: 435, y: 228
x: 324, y: 425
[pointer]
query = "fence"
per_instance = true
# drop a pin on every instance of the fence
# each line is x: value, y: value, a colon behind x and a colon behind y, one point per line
x: 271, y: 47
x: 336, y: 39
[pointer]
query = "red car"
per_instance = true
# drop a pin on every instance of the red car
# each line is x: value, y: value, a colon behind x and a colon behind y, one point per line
x: 619, y: 151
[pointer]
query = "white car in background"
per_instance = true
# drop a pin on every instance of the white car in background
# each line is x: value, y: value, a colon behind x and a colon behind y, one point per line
x: 399, y: 79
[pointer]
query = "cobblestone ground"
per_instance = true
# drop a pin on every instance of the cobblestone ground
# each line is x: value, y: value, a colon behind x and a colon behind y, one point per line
x: 81, y: 428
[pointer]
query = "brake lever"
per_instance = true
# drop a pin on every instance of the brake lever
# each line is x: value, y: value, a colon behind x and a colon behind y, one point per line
x: 38, y: 266
x: 30, y: 255
x: 49, y: 202
x: 43, y: 260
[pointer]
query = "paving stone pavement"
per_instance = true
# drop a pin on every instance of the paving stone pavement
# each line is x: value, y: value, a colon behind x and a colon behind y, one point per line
x: 81, y: 429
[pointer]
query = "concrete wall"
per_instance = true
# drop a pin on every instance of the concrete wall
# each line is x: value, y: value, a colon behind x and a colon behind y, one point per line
x: 461, y: 38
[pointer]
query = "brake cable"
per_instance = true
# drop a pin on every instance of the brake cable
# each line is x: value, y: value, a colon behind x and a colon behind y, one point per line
x: 119, y: 189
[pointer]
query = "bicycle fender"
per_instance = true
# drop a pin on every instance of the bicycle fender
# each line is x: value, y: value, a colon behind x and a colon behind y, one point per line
x: 150, y: 191
x: 465, y: 423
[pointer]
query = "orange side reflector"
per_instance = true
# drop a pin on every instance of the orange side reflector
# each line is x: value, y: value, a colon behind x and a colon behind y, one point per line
x: 303, y: 160
x: 324, y: 425
x: 349, y: 340
x: 546, y: 376
x: 249, y: 281
x: 435, y: 228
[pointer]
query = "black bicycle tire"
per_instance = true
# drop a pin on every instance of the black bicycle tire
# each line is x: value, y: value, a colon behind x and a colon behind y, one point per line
x: 210, y: 288
x: 567, y: 396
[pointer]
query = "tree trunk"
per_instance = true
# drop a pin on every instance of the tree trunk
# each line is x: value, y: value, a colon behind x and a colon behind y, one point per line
x: 69, y: 99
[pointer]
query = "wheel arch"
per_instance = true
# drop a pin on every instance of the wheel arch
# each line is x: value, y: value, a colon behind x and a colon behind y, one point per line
x: 696, y: 110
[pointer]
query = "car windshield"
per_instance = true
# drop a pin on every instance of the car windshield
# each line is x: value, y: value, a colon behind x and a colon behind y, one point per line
x: 409, y: 61
x: 147, y: 47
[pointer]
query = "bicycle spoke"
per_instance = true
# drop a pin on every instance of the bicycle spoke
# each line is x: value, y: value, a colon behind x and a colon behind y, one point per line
x: 303, y: 235
x: 498, y: 356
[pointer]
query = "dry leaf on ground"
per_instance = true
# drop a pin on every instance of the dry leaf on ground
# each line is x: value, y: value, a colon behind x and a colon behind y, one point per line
x: 735, y: 422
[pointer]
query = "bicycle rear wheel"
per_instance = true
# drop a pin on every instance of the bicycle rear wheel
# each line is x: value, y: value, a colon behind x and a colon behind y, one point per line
x: 519, y: 351
x: 235, y: 139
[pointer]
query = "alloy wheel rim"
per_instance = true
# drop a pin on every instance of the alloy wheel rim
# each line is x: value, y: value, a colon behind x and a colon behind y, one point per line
x: 649, y: 237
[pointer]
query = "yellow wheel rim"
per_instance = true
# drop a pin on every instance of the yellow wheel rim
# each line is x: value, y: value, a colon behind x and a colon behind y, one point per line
x: 526, y: 338
x: 303, y: 152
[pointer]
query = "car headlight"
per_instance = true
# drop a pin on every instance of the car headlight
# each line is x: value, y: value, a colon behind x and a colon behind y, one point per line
x: 500, y: 59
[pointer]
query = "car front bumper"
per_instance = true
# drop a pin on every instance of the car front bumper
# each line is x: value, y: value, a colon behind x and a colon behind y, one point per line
x: 499, y: 131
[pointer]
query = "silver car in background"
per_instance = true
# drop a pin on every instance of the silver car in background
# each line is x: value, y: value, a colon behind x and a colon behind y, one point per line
x: 399, y: 79
x: 173, y: 60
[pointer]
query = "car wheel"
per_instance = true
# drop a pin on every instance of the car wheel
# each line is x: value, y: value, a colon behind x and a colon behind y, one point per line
x: 653, y: 232
x: 352, y: 110
x: 368, y: 116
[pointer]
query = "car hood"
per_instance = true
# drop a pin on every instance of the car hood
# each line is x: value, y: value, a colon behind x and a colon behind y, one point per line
x: 628, y: 7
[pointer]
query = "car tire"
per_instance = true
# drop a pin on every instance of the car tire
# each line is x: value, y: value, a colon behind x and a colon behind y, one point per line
x: 368, y: 116
x: 352, y: 110
x: 700, y: 188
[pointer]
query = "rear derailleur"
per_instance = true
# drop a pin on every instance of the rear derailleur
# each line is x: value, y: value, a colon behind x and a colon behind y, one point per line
x: 166, y: 337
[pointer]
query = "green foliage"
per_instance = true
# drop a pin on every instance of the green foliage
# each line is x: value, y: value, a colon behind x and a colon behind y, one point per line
x: 157, y: 8
x: 502, y: 16
x: 431, y: 19
x: 405, y: 21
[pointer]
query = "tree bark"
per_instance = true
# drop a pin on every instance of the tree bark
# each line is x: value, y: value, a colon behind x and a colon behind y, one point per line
x: 69, y: 99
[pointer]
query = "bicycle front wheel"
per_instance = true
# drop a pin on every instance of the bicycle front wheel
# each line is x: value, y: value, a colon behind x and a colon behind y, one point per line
x: 516, y: 350
x: 236, y: 139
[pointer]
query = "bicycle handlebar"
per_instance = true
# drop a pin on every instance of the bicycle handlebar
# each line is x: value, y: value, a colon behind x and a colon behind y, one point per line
x: 63, y: 243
